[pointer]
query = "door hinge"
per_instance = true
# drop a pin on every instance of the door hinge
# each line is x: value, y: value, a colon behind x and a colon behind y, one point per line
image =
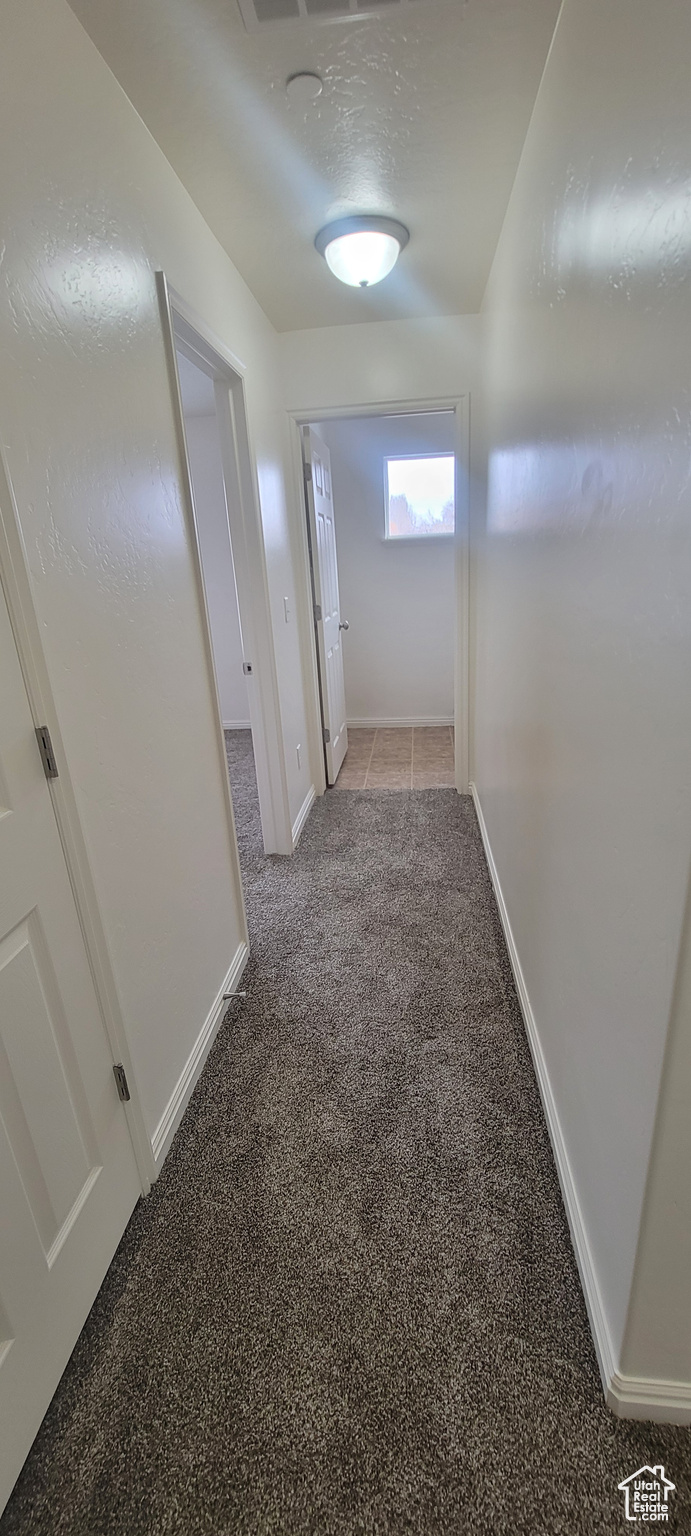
x: 317, y: 613
x: 308, y: 472
x: 327, y: 733
x: 121, y: 1082
x: 45, y: 747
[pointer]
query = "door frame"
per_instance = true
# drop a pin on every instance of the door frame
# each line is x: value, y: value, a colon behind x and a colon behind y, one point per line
x: 315, y: 578
x: 17, y: 588
x: 460, y: 405
x: 183, y: 327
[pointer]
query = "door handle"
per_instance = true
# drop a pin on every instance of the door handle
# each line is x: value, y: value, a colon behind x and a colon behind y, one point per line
x: 344, y: 624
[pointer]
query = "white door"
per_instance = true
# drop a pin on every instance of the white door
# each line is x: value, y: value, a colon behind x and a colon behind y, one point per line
x: 68, y: 1178
x: 327, y: 611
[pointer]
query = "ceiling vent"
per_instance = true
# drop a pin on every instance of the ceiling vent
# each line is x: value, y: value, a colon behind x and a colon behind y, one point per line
x: 258, y: 14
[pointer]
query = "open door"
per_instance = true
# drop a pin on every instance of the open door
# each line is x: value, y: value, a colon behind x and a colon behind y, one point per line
x: 68, y: 1177
x: 327, y: 614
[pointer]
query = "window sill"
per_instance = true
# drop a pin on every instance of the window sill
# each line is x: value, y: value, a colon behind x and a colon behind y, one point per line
x: 417, y: 538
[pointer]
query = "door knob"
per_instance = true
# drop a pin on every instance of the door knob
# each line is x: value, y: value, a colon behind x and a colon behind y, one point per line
x: 344, y: 624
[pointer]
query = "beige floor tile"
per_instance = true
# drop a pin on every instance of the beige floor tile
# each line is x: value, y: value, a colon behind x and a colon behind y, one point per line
x: 351, y: 776
x: 395, y: 760
x: 439, y: 734
x: 358, y: 751
x: 398, y: 758
x: 359, y: 763
x: 433, y: 778
x: 388, y: 776
x: 392, y: 747
x: 433, y: 756
x: 433, y: 748
x: 394, y: 734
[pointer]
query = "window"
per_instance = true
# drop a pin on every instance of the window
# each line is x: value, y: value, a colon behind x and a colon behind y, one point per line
x: 419, y: 496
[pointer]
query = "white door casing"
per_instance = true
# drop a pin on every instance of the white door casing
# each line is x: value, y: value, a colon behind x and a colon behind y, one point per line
x: 186, y: 330
x: 322, y: 530
x: 68, y: 1176
x: 316, y: 412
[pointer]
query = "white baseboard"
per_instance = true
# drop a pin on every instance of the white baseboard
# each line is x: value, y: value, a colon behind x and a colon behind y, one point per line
x: 380, y: 724
x: 303, y: 813
x: 237, y: 725
x: 598, y: 1322
x: 180, y: 1097
x: 637, y: 1397
x: 627, y: 1396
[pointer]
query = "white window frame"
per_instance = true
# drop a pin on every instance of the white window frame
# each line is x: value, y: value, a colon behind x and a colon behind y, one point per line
x: 415, y: 538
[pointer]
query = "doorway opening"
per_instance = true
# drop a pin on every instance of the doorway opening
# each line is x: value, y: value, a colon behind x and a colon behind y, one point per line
x: 385, y: 499
x: 229, y: 550
x: 233, y: 671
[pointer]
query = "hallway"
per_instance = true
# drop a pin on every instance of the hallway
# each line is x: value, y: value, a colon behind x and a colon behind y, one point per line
x: 350, y: 1303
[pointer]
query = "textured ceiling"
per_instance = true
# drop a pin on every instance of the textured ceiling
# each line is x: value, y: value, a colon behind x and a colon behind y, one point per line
x: 422, y: 117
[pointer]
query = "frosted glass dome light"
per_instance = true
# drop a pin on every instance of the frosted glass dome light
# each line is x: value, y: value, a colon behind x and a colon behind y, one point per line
x: 362, y: 258
x: 362, y: 251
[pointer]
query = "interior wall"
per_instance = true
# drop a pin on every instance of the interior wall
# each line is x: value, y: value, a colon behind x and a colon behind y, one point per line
x: 399, y: 597
x: 217, y: 560
x: 583, y: 706
x: 388, y: 361
x: 91, y: 209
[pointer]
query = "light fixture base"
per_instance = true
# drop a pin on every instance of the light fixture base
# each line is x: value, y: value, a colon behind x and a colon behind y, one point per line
x: 357, y: 223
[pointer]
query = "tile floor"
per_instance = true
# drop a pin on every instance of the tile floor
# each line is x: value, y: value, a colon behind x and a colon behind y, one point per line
x: 419, y: 758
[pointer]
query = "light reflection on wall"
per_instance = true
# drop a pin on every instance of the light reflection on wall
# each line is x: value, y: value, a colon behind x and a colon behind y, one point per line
x: 549, y: 487
x: 568, y: 488
x: 627, y: 231
x: 271, y: 501
x: 525, y: 489
x: 100, y: 285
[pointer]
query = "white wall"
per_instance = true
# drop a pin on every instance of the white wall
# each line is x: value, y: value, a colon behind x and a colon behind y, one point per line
x: 583, y: 704
x: 219, y: 577
x: 399, y: 597
x: 390, y: 360
x: 90, y: 209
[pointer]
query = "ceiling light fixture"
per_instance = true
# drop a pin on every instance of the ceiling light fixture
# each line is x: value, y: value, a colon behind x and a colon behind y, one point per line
x: 361, y: 250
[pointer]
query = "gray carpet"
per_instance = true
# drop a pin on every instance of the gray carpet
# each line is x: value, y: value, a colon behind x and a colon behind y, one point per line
x: 350, y: 1303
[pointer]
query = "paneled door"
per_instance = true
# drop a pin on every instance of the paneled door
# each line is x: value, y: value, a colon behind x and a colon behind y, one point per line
x: 68, y: 1178
x: 327, y: 614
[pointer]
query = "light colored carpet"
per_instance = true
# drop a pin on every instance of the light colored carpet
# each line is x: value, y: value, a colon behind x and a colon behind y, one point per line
x: 350, y: 1307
